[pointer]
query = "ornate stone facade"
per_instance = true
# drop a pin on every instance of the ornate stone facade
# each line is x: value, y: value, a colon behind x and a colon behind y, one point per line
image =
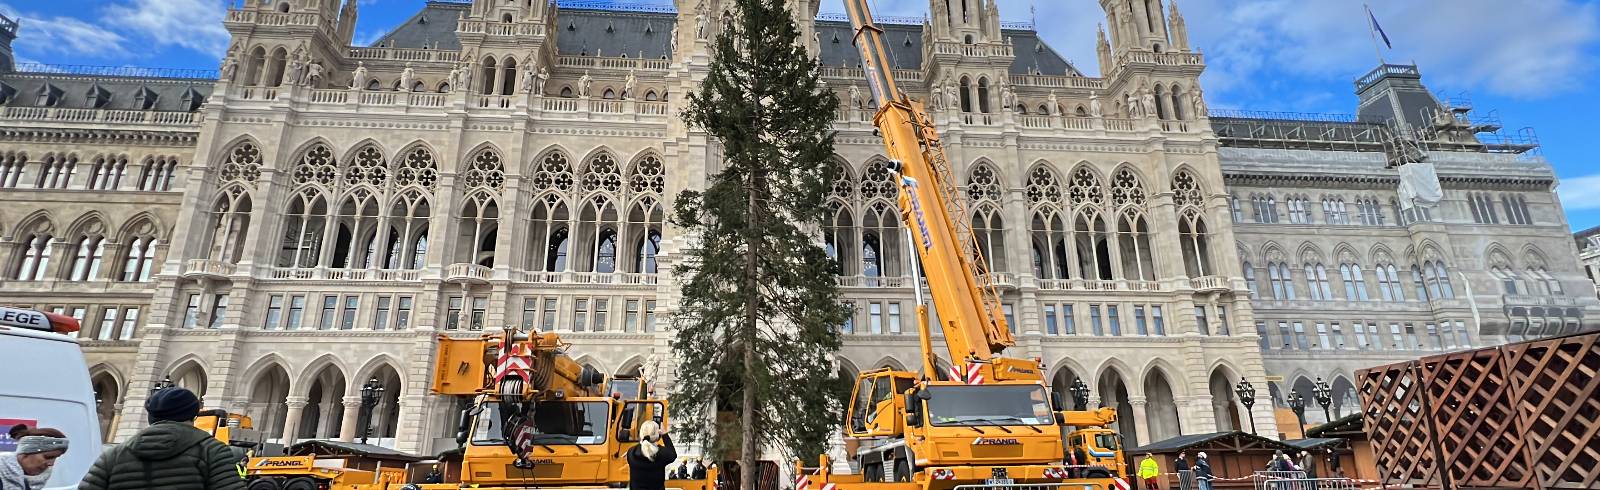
x: 491, y: 164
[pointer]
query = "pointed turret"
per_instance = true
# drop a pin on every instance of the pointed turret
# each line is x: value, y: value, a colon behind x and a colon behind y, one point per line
x: 1103, y: 49
x: 347, y: 23
x: 1177, y: 27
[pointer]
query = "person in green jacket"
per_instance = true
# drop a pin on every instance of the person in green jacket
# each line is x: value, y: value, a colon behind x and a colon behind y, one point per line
x: 1149, y: 470
x: 169, y: 454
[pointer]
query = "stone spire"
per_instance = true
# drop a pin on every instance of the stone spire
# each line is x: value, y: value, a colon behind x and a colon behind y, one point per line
x: 1103, y: 49
x: 1177, y: 28
x: 347, y: 23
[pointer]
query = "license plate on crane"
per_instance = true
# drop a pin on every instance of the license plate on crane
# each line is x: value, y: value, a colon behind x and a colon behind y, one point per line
x: 999, y: 477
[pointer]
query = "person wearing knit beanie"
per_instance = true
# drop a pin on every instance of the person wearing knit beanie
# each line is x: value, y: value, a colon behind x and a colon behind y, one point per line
x: 174, y: 404
x: 37, y: 452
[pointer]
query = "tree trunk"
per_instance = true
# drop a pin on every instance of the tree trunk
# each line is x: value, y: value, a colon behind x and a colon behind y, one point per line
x: 749, y: 470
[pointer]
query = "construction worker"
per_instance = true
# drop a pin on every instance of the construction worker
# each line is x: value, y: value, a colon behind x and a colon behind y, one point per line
x: 1149, y: 470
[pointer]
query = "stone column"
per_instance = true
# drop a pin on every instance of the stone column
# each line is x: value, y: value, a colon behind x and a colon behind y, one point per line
x: 291, y: 419
x: 1141, y: 422
x: 325, y: 409
x: 350, y: 427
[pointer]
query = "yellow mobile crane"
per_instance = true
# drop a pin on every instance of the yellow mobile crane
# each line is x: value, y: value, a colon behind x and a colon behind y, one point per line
x: 538, y: 417
x: 990, y: 421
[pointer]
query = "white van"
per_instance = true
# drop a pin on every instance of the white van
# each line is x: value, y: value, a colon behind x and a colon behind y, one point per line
x: 45, y: 383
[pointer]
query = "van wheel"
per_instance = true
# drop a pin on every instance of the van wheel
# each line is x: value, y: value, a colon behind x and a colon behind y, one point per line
x: 263, y: 484
x: 301, y: 483
x: 902, y: 471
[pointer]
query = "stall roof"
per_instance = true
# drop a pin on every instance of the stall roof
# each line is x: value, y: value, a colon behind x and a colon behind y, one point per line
x: 356, y: 449
x: 1347, y: 426
x: 1314, y: 442
x: 1233, y: 440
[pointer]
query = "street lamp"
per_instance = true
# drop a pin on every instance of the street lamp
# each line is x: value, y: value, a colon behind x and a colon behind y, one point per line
x: 1247, y: 396
x: 1298, y: 404
x: 370, y: 394
x: 166, y: 382
x: 1080, y: 394
x: 1324, y: 397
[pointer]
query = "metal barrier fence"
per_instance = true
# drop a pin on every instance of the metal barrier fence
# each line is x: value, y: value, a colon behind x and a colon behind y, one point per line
x: 1260, y: 478
x: 1308, y: 484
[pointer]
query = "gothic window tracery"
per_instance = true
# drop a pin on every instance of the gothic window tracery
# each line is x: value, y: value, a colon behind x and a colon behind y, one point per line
x: 242, y: 164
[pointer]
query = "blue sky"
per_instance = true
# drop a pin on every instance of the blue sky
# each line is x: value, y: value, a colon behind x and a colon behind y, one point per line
x: 1532, y: 60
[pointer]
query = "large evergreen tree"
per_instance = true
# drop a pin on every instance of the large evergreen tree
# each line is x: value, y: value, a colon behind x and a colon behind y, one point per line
x: 757, y: 329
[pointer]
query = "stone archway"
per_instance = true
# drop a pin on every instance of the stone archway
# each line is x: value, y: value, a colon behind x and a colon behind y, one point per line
x: 190, y: 375
x: 385, y: 418
x: 107, y: 397
x: 1061, y: 383
x: 1161, y: 407
x: 1345, y: 399
x: 1114, y: 393
x: 1224, y: 404
x: 323, y: 415
x: 269, y: 396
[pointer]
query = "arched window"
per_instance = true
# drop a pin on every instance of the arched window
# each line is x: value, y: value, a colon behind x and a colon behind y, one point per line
x: 609, y: 94
x: 1194, y: 238
x: 1161, y: 101
x: 505, y: 18
x: 649, y: 248
x: 966, y: 94
x: 1250, y: 280
x: 140, y: 260
x: 275, y: 65
x: 479, y: 228
x: 374, y: 84
x: 35, y: 258
x: 1177, y: 104
x: 489, y: 72
x: 86, y: 262
x: 983, y: 95
x: 1446, y: 291
x: 605, y: 255
x: 304, y: 230
x: 1355, y: 283
x: 871, y: 262
x: 1420, y: 282
x: 556, y: 253
x: 1282, y: 278
x: 283, y: 7
x: 988, y: 230
x: 255, y: 66
x: 230, y: 220
x: 650, y: 96
x: 1317, y: 280
x: 508, y: 78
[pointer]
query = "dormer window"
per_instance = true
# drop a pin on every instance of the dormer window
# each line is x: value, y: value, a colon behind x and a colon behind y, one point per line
x: 97, y: 96
x: 49, y: 96
x: 7, y: 93
x: 192, y: 99
x: 145, y: 99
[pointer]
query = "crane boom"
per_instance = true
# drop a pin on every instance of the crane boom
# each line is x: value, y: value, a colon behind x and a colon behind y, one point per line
x: 971, y: 318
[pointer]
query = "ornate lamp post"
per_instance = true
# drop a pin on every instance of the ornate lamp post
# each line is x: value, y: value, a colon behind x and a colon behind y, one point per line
x: 370, y: 394
x: 1080, y: 394
x: 1298, y: 404
x: 1324, y: 397
x: 166, y: 382
x: 1247, y: 396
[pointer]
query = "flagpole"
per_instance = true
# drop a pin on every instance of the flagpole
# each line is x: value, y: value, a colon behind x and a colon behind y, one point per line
x: 1374, y: 34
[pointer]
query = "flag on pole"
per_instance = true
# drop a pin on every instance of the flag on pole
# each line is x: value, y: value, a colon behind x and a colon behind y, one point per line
x: 1379, y: 28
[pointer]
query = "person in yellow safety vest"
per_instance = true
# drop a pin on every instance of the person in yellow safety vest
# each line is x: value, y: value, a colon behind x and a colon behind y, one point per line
x: 1149, y: 470
x: 243, y: 464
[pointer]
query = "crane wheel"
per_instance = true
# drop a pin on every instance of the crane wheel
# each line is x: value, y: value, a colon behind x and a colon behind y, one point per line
x: 902, y: 471
x: 301, y: 483
x: 1099, y: 473
x: 264, y: 484
x: 872, y: 473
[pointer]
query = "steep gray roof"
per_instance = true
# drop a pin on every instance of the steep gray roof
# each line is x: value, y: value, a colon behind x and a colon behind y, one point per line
x: 647, y: 34
x: 433, y: 26
x: 103, y: 91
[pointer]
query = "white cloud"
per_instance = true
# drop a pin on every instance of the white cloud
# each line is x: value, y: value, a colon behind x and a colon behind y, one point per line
x: 56, y: 35
x: 192, y: 24
x: 1580, y: 192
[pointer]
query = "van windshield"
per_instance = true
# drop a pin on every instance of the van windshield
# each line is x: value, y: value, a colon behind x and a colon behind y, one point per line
x: 555, y: 423
x: 988, y: 405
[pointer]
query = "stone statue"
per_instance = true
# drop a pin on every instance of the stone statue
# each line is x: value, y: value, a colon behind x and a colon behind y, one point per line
x: 230, y: 65
x: 672, y: 46
x: 529, y: 75
x: 297, y: 70
x: 538, y: 83
x: 583, y: 84
x: 855, y: 97
x: 1148, y: 102
x: 406, y: 77
x: 935, y: 100
x: 1132, y: 105
x: 952, y: 96
x: 1094, y: 106
x: 1055, y: 106
x: 454, y: 78
x: 313, y: 74
x: 358, y: 80
x: 700, y: 20
x: 1008, y: 97
x: 1199, y: 102
x: 628, y: 85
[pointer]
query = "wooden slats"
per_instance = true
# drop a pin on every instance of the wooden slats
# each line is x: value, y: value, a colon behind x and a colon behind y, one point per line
x: 1523, y: 415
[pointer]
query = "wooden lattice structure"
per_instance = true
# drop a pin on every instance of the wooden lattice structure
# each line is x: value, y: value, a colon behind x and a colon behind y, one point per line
x: 1523, y: 415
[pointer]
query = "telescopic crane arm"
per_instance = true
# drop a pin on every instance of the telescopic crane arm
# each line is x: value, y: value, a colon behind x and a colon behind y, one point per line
x: 970, y: 314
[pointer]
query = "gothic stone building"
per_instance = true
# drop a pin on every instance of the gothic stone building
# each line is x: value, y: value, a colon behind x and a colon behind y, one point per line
x: 312, y: 215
